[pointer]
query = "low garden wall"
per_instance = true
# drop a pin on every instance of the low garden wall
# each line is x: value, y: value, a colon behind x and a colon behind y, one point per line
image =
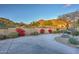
x: 17, y: 32
x: 28, y: 31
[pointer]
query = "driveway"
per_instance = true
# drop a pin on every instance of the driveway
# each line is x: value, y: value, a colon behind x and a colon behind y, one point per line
x: 41, y: 44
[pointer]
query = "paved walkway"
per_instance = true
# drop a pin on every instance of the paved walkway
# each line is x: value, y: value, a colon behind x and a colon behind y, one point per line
x: 40, y: 44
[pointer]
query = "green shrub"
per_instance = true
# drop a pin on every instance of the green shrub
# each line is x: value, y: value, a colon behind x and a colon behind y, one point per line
x: 67, y: 32
x: 12, y: 35
x: 75, y: 33
x: 2, y: 37
x: 73, y: 41
x: 57, y: 31
x: 35, y: 33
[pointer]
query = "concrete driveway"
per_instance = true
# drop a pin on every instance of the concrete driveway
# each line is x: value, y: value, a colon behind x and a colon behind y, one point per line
x: 41, y: 44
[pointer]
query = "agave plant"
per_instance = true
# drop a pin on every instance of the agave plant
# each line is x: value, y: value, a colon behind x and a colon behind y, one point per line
x: 74, y: 41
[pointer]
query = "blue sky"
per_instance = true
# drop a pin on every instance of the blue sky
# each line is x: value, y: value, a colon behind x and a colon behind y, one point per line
x: 29, y: 12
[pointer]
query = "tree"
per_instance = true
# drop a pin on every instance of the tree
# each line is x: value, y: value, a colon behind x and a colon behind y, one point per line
x: 48, y: 23
x: 36, y: 24
x: 77, y: 22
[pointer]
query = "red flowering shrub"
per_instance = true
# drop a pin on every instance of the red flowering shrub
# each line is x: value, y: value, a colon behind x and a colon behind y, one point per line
x: 50, y: 31
x: 42, y: 31
x: 21, y: 32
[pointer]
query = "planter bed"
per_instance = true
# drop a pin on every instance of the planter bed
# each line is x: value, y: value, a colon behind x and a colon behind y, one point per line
x: 66, y: 42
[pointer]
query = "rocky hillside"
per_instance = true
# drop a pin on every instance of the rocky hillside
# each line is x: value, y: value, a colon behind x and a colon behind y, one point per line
x: 6, y: 23
x: 71, y: 16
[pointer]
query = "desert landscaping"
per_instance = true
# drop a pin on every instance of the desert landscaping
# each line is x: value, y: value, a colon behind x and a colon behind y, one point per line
x: 44, y: 36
